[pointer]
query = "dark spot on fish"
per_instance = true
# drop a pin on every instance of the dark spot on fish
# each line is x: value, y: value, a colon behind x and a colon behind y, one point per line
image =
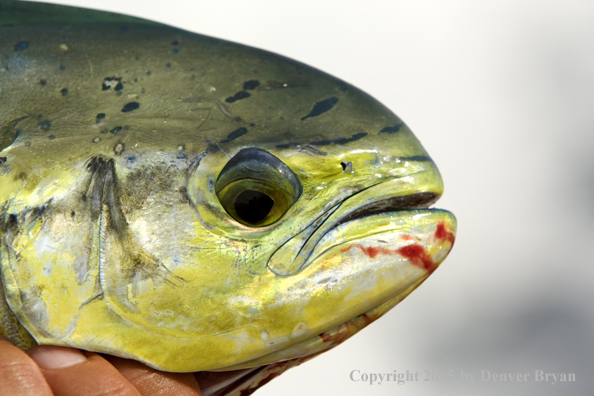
x: 64, y: 91
x: 42, y: 82
x: 3, y: 160
x: 51, y: 137
x: 392, y: 129
x: 100, y: 117
x: 252, y: 124
x: 124, y: 28
x: 62, y: 67
x: 83, y: 197
x: 175, y: 50
x: 355, y: 137
x: 235, y: 134
x: 321, y: 107
x: 168, y: 64
x: 13, y: 219
x: 174, y: 42
x: 249, y: 85
x: 417, y: 158
x: 135, y: 80
x: 73, y: 213
x: 238, y: 96
x: 116, y: 129
x: 109, y: 82
x: 183, y: 191
x: 128, y: 107
x: 347, y: 166
x: 21, y: 46
x: 131, y: 159
x: 148, y: 73
x: 45, y: 125
x: 142, y: 90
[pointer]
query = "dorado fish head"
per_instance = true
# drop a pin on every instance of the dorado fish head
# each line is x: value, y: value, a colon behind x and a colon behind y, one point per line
x: 197, y: 204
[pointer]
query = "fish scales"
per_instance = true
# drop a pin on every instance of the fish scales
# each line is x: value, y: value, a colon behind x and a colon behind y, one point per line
x: 163, y: 191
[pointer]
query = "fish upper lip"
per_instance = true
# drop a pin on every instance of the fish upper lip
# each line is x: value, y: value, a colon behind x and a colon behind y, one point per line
x: 420, y: 200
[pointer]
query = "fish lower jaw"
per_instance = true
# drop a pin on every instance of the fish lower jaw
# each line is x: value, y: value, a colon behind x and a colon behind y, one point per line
x: 420, y: 235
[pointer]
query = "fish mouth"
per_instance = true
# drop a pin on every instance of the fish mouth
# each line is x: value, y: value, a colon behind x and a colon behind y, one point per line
x: 420, y: 200
x: 382, y: 198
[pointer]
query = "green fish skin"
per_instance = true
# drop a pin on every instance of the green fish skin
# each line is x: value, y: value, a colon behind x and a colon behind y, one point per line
x: 196, y: 204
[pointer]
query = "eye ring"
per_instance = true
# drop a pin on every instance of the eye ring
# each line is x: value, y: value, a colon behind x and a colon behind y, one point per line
x: 256, y: 189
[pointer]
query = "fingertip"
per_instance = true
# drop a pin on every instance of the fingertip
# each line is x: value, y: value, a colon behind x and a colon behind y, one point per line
x: 54, y: 357
x: 19, y: 375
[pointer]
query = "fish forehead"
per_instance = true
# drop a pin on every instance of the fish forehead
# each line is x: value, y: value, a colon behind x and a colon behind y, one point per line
x: 144, y: 93
x: 161, y: 88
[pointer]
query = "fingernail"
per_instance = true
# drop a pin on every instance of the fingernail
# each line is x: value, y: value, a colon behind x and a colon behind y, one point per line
x: 53, y: 357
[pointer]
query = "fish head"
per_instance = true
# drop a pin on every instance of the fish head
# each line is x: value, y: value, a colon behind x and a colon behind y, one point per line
x: 243, y: 209
x: 332, y: 218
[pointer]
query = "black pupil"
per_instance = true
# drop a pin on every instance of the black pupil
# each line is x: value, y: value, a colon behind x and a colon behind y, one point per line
x: 253, y: 206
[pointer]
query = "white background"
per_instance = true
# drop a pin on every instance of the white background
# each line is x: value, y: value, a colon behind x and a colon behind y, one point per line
x: 501, y: 93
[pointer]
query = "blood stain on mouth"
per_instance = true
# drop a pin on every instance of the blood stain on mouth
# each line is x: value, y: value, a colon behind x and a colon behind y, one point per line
x: 415, y: 254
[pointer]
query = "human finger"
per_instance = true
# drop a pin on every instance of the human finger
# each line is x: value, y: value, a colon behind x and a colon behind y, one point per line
x: 71, y: 372
x: 151, y: 382
x: 19, y: 375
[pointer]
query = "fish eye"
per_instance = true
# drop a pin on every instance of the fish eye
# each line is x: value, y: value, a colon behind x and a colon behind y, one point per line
x: 256, y: 189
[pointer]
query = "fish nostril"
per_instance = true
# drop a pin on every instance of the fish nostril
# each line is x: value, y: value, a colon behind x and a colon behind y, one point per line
x: 347, y: 166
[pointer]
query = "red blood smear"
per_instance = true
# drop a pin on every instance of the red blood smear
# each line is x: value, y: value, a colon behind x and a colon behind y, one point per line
x: 417, y: 257
x: 343, y: 332
x: 370, y: 251
x: 368, y: 319
x: 442, y: 234
x: 415, y: 253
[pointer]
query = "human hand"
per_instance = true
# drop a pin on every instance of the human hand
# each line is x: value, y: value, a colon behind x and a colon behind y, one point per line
x: 59, y: 371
